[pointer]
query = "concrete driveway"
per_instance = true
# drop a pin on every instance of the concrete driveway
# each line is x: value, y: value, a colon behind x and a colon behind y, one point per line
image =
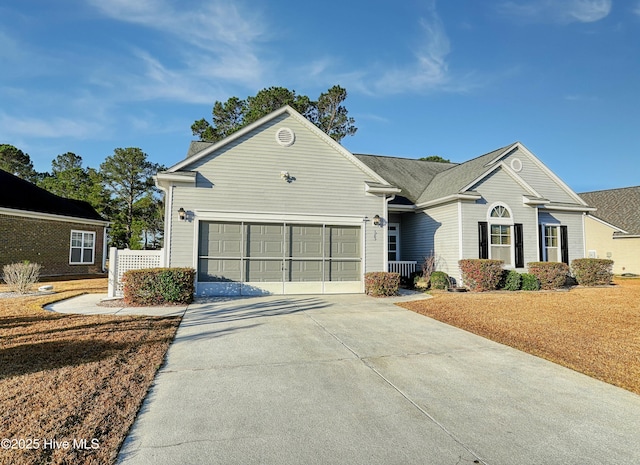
x: 354, y: 380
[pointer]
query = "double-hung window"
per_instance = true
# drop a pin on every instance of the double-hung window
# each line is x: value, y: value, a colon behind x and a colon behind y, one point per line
x: 83, y: 245
x: 551, y: 243
x: 501, y: 243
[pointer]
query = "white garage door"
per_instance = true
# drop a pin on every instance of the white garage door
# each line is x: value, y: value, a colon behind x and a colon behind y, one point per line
x: 278, y: 258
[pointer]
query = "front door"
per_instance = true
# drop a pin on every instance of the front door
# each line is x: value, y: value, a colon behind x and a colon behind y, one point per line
x: 393, y: 249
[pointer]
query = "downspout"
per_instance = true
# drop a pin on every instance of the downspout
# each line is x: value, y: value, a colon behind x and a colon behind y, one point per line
x: 104, y: 249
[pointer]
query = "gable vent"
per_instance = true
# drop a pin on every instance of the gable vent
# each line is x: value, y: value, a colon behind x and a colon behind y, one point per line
x: 285, y: 137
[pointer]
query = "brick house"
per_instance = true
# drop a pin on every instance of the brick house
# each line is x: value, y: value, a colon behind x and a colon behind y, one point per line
x: 65, y: 236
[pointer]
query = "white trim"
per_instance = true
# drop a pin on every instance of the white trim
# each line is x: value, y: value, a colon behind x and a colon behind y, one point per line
x: 510, y: 172
x: 397, y: 235
x: 567, y: 208
x: 449, y: 198
x: 52, y: 217
x: 269, y: 217
x: 82, y: 247
x: 460, y: 235
x: 500, y: 220
x: 543, y: 233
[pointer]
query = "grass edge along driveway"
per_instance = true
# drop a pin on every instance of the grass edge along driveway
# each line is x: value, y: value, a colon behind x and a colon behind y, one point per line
x: 71, y: 385
x: 595, y: 331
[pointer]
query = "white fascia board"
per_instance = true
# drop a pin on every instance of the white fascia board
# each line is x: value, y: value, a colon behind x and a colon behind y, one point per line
x: 629, y: 236
x: 530, y: 190
x: 52, y: 217
x: 617, y: 229
x: 552, y: 175
x: 401, y: 208
x: 165, y: 179
x: 504, y: 153
x: 449, y: 198
x: 536, y: 201
x: 568, y: 208
x: 381, y: 189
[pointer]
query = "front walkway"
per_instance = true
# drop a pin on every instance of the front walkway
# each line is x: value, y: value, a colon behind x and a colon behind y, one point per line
x: 356, y: 380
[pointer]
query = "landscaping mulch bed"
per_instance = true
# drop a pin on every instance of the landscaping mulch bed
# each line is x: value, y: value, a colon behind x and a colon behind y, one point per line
x: 595, y: 331
x: 71, y: 385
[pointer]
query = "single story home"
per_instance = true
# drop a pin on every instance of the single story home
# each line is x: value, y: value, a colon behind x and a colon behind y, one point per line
x: 279, y: 207
x: 65, y: 236
x: 613, y: 230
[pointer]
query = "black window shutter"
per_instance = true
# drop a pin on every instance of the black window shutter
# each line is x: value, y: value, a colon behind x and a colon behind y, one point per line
x: 541, y: 243
x: 483, y: 240
x: 564, y: 244
x: 519, y: 243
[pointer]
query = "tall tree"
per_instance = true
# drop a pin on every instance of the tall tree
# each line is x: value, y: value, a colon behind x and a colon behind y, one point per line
x: 69, y: 179
x: 127, y: 174
x: 327, y: 113
x: 16, y: 162
x: 331, y: 116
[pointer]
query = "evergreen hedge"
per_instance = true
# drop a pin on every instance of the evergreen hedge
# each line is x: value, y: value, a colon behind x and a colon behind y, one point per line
x: 158, y: 286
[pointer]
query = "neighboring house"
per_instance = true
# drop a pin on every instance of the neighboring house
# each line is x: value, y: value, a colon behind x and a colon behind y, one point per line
x: 613, y: 230
x: 66, y: 237
x: 279, y: 207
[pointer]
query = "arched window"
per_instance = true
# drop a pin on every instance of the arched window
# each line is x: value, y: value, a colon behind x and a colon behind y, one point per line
x: 500, y: 211
x: 501, y: 234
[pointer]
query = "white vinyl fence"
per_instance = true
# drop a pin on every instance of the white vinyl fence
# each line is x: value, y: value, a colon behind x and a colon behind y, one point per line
x: 121, y: 261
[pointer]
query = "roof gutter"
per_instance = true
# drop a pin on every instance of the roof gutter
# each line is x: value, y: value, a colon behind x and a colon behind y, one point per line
x: 450, y: 198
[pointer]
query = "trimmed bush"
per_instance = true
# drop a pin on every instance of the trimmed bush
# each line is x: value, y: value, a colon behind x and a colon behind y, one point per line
x: 439, y: 280
x: 481, y: 274
x: 158, y: 286
x: 512, y: 281
x: 381, y: 283
x: 529, y: 282
x: 552, y: 275
x: 20, y: 277
x: 592, y: 271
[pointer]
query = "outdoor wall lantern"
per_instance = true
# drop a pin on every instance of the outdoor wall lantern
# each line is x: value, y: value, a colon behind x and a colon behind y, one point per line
x: 376, y: 220
x: 182, y: 214
x: 285, y: 176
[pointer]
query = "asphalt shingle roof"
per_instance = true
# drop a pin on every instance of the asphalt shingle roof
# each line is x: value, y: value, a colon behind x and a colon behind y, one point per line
x: 410, y: 175
x: 18, y: 194
x: 619, y: 207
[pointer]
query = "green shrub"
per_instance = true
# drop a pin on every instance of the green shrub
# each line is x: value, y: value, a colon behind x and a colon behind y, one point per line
x: 381, y: 283
x: 552, y: 275
x: 20, y: 277
x: 439, y: 280
x: 529, y: 282
x: 481, y: 274
x: 592, y: 271
x: 157, y: 286
x: 512, y: 281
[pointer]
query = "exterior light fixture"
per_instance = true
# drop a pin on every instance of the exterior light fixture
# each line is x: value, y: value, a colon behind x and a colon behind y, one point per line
x: 285, y: 176
x: 182, y: 214
x: 376, y: 220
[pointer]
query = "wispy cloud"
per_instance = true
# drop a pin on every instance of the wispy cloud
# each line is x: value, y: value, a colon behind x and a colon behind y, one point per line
x: 214, y: 41
x: 47, y: 127
x: 566, y: 11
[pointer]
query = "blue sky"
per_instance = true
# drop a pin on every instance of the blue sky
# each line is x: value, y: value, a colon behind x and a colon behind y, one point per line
x: 454, y: 78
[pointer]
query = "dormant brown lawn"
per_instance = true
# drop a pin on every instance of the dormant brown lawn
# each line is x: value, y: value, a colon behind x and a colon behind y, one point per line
x: 73, y: 377
x: 595, y: 331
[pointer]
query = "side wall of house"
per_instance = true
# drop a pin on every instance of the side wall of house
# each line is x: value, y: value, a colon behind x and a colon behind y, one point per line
x: 244, y: 177
x: 575, y: 230
x: 47, y: 243
x: 433, y: 231
x: 624, y: 251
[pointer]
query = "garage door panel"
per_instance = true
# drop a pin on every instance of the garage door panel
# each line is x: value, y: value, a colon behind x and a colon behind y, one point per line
x: 342, y: 270
x: 218, y: 270
x: 263, y: 270
x: 343, y: 241
x: 220, y: 240
x: 307, y: 270
x: 265, y: 240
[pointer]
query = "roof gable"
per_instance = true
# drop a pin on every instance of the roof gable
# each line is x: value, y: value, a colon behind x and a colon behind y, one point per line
x: 205, y: 150
x: 618, y: 207
x: 18, y: 194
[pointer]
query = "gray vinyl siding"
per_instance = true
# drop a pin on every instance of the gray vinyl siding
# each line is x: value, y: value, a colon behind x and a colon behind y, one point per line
x: 499, y: 187
x: 432, y: 231
x: 575, y: 229
x: 244, y: 176
x: 538, y: 179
